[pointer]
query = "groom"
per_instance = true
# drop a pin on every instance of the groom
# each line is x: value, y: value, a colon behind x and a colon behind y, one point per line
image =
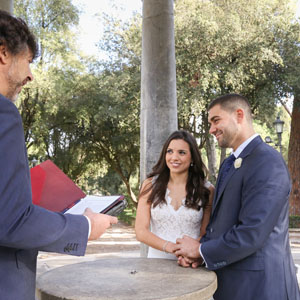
x: 246, y: 241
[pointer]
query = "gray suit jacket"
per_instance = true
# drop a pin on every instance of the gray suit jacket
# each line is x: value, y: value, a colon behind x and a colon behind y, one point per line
x: 24, y: 227
x: 247, y: 242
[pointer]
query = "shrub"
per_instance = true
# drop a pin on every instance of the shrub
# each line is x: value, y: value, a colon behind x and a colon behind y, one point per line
x: 294, y: 222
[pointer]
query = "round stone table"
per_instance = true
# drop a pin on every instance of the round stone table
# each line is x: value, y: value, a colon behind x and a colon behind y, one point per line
x: 126, y: 279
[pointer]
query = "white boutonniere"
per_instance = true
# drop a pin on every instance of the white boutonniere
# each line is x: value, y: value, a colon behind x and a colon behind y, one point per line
x: 238, y: 162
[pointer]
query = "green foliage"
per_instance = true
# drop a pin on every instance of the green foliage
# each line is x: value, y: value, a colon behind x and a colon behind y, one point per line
x: 233, y: 47
x: 50, y: 21
x: 294, y: 222
x: 229, y: 46
x: 128, y: 216
x: 108, y: 128
x: 123, y: 41
x: 79, y: 113
x: 267, y: 129
x: 84, y: 115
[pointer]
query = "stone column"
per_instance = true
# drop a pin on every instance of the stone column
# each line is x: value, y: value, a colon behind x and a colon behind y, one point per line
x: 7, y: 5
x: 158, y: 82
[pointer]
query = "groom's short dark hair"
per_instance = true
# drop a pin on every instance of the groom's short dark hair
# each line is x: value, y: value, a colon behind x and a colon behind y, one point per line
x: 231, y: 102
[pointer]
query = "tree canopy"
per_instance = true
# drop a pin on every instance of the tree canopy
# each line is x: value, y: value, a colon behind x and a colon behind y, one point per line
x: 84, y: 114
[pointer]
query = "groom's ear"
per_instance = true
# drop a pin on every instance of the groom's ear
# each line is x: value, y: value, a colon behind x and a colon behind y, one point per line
x: 240, y: 115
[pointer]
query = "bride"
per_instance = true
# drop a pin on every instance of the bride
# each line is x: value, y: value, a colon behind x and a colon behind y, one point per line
x: 175, y: 199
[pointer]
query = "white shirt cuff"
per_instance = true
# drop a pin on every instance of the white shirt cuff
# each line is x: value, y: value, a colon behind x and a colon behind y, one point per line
x: 204, y: 262
x: 89, y: 221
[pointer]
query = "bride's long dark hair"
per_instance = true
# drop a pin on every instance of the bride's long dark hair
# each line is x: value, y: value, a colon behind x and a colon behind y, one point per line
x: 196, y: 193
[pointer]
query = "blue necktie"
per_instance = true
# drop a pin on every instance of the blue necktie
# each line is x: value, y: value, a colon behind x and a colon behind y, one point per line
x: 228, y: 162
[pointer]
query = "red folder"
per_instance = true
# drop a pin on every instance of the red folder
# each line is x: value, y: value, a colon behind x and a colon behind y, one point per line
x: 52, y: 188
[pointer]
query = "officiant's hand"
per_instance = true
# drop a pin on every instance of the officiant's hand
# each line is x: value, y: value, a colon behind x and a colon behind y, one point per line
x: 99, y: 223
x: 187, y: 247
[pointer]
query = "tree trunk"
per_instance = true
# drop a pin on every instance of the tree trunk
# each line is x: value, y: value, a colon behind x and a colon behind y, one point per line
x: 294, y: 157
x: 133, y: 200
x: 222, y: 156
x: 212, y: 158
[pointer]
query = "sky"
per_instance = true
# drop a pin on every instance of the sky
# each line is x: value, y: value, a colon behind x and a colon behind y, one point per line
x: 90, y: 28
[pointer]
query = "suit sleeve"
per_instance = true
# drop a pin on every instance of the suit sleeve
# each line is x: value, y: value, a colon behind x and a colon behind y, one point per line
x: 22, y: 224
x: 263, y: 196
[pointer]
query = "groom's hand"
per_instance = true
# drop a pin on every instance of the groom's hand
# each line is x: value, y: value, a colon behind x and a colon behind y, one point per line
x: 189, y: 262
x: 183, y: 261
x: 187, y: 247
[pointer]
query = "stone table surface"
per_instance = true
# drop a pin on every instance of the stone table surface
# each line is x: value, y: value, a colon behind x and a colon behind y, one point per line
x: 126, y: 278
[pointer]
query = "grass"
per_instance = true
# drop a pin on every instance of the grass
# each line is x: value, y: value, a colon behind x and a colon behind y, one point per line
x: 294, y: 222
x: 128, y: 216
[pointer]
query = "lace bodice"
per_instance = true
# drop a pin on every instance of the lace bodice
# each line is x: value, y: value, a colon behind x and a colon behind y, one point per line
x: 170, y: 224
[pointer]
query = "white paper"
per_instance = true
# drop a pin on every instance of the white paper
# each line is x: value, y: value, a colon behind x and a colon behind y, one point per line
x: 95, y: 203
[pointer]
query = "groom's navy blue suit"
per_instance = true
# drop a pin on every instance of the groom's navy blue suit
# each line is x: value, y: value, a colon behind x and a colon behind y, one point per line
x: 247, y: 241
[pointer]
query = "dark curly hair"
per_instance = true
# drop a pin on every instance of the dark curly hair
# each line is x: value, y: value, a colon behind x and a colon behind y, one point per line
x: 15, y: 35
x: 197, y: 194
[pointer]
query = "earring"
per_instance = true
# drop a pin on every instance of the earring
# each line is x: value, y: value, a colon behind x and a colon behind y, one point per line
x: 192, y: 164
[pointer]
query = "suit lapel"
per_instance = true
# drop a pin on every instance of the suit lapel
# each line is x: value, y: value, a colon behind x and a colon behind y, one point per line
x: 222, y: 188
x: 247, y: 151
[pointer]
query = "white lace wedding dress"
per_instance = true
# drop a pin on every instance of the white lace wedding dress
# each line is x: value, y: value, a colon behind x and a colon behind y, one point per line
x: 170, y: 224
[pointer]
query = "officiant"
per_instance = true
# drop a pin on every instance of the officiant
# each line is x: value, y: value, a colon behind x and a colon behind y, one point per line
x: 26, y: 228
